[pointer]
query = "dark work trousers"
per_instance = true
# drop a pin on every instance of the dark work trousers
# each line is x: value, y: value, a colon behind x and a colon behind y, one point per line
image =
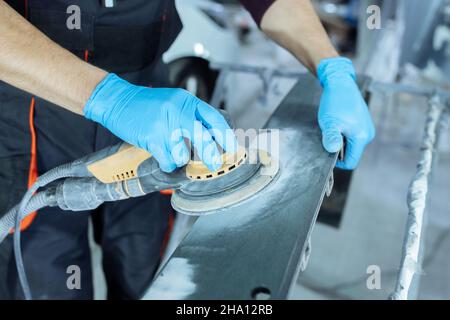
x: 127, y: 39
x: 130, y: 232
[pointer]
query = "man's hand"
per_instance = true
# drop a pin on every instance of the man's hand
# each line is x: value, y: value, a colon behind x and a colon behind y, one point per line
x: 154, y: 119
x: 343, y: 111
x: 295, y: 25
x: 158, y: 120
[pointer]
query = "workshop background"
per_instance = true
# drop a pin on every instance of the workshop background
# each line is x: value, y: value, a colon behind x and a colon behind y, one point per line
x: 363, y: 224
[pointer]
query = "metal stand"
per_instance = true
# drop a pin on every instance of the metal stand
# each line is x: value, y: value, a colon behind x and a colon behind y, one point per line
x: 417, y: 199
x: 266, y: 75
x: 418, y: 192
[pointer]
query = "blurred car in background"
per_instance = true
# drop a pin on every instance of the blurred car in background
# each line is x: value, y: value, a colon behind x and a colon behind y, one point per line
x: 340, y: 19
x: 213, y: 32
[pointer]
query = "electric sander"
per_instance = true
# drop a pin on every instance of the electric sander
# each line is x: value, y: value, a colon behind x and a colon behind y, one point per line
x: 124, y: 171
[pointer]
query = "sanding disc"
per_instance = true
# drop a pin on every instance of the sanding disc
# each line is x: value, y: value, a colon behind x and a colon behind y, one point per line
x: 204, y: 197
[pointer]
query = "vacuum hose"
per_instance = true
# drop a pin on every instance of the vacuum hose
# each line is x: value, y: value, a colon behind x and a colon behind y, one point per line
x: 80, y: 190
x: 24, y: 207
x: 38, y: 201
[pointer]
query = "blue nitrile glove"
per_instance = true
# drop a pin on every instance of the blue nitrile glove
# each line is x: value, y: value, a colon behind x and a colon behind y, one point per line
x: 343, y: 111
x: 158, y: 120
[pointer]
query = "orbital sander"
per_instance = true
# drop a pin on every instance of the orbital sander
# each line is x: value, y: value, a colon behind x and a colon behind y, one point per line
x: 124, y: 171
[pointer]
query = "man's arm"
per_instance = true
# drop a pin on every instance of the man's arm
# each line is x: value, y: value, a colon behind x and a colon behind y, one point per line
x: 343, y: 112
x: 295, y: 25
x: 32, y: 62
x: 156, y: 120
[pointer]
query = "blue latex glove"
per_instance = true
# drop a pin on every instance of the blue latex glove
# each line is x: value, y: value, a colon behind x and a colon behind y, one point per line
x: 343, y: 111
x: 158, y: 120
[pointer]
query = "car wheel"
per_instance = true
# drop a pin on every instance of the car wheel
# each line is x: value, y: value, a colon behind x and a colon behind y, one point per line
x: 195, y: 76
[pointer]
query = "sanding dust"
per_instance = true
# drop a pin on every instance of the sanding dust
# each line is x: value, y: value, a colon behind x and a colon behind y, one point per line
x: 174, y: 283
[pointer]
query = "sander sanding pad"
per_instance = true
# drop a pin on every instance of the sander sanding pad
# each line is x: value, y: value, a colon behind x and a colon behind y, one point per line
x: 207, y: 195
x: 196, y: 170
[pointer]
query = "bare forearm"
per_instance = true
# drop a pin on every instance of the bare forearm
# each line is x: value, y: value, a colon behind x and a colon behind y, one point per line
x: 32, y: 62
x: 295, y: 25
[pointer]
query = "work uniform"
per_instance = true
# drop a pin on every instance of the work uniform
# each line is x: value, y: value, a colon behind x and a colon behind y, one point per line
x: 36, y: 136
